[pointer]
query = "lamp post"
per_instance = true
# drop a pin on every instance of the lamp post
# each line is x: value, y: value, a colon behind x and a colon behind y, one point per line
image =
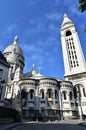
x: 80, y: 105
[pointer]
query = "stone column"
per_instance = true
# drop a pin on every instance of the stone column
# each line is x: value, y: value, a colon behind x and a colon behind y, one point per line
x: 79, y: 106
x: 61, y: 105
x: 46, y: 103
x: 20, y: 97
x: 27, y: 104
x: 68, y: 94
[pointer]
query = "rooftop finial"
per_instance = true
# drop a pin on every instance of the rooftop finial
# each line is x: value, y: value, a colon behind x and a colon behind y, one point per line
x: 15, y: 40
x: 65, y: 15
x: 33, y: 67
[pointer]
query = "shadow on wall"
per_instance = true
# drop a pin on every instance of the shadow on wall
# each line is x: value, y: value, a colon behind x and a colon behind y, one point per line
x: 38, y: 108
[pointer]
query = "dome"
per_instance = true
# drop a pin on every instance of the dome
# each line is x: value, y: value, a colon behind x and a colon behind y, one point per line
x: 14, y: 54
x: 12, y: 58
x: 14, y: 47
x: 33, y: 73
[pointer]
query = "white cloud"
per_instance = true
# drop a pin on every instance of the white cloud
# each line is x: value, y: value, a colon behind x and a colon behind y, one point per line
x: 74, y: 10
x: 31, y: 2
x: 32, y: 21
x: 54, y: 16
x: 41, y: 52
x: 39, y: 27
x: 10, y: 30
x: 52, y: 26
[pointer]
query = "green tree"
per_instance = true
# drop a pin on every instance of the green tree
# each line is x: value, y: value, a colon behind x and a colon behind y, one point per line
x: 82, y: 6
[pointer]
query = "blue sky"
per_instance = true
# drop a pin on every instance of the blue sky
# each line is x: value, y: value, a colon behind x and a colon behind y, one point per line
x: 37, y: 24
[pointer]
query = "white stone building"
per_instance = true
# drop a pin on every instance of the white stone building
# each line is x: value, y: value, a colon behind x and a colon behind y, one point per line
x: 74, y: 63
x: 4, y: 68
x: 48, y: 98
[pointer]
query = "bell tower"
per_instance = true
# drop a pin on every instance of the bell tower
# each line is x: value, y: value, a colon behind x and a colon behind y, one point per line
x: 74, y: 62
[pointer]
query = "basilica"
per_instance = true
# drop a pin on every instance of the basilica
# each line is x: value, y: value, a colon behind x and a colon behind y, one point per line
x: 41, y: 97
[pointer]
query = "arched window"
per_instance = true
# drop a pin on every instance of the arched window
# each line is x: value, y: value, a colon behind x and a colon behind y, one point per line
x: 49, y: 92
x: 31, y: 94
x: 75, y: 92
x: 42, y: 93
x: 84, y: 93
x: 79, y: 91
x: 64, y: 95
x: 23, y: 94
x: 56, y: 94
x: 1, y: 73
x: 70, y: 95
x: 68, y: 33
x: 23, y: 97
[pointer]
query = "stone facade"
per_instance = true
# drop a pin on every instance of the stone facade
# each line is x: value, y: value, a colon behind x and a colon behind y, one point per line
x: 4, y: 68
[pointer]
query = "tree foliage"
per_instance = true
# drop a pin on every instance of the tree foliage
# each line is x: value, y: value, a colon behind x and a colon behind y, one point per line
x: 82, y: 6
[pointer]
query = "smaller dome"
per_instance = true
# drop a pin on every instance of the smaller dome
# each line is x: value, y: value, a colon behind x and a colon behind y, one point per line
x: 33, y: 73
x: 66, y: 20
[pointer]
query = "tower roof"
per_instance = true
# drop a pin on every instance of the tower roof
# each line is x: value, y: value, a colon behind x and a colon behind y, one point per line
x: 66, y: 20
